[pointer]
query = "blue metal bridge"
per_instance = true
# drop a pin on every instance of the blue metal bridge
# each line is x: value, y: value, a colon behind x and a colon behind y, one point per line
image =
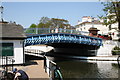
x: 62, y: 38
x: 65, y: 40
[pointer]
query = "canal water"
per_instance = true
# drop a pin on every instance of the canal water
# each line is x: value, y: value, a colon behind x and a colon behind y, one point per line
x: 84, y: 69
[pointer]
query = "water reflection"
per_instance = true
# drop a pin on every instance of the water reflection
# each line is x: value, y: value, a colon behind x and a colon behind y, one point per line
x: 84, y: 69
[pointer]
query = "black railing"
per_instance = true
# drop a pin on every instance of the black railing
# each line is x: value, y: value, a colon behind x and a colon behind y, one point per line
x: 118, y: 60
x: 52, y: 69
x: 6, y: 65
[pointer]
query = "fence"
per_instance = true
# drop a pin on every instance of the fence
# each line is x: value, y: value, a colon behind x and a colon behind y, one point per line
x: 34, y: 51
x: 52, y: 69
x: 6, y: 61
x: 6, y: 64
x: 53, y: 30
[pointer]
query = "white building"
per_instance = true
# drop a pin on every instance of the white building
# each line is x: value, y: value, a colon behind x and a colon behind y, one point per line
x: 88, y: 22
x: 12, y: 37
x: 114, y: 30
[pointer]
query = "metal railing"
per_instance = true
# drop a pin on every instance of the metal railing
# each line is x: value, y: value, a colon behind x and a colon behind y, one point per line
x: 52, y: 69
x: 6, y: 65
x: 53, y: 30
x: 7, y: 61
x: 34, y: 51
x: 118, y: 61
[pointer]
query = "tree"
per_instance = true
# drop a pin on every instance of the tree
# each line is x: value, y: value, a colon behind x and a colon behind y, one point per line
x: 44, y: 20
x: 59, y: 23
x: 112, y: 12
x: 41, y: 25
x: 33, y: 30
x: 33, y: 26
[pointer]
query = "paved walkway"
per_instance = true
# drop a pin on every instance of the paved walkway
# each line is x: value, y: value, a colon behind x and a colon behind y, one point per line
x: 35, y: 71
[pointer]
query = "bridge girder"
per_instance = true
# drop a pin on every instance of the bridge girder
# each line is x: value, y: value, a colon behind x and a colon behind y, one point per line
x: 62, y: 38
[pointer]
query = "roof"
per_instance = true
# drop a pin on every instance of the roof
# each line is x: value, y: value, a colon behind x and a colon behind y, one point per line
x: 93, y: 29
x: 11, y: 31
x: 94, y: 22
x: 86, y: 17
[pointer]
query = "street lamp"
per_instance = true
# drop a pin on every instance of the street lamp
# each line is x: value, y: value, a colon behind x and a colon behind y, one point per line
x: 1, y: 11
x: 92, y: 21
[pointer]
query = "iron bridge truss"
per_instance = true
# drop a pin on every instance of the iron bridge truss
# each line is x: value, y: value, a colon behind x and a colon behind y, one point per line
x: 62, y: 38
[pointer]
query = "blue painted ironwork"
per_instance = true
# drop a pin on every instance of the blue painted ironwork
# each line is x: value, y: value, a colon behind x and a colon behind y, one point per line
x: 62, y: 38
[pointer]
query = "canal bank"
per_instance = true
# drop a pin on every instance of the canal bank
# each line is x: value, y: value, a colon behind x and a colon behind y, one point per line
x: 35, y: 70
x: 99, y: 58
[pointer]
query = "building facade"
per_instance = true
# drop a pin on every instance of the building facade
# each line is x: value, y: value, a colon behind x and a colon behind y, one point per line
x: 88, y: 22
x: 11, y: 43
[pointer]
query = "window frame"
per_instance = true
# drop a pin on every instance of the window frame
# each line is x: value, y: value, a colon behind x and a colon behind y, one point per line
x: 7, y: 49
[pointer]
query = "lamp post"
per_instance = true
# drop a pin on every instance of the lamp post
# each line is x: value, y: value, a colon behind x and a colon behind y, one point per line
x: 92, y: 21
x: 1, y: 12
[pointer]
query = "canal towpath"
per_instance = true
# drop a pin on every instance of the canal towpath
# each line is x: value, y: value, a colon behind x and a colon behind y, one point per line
x: 35, y: 71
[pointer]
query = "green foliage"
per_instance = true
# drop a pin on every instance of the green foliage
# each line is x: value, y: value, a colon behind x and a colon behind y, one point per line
x: 33, y: 26
x: 112, y: 12
x: 31, y: 31
x: 46, y: 22
x: 59, y: 23
x: 116, y: 50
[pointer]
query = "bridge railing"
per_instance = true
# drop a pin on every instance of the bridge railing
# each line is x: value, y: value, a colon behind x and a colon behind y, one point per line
x: 52, y: 69
x: 53, y: 30
x: 34, y: 51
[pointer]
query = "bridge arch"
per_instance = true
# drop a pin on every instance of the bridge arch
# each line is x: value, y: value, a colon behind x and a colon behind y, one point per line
x: 68, y: 43
x: 62, y: 38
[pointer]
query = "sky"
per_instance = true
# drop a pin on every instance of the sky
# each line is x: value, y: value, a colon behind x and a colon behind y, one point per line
x: 27, y: 13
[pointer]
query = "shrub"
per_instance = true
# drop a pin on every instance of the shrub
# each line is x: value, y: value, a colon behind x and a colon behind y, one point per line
x: 116, y: 51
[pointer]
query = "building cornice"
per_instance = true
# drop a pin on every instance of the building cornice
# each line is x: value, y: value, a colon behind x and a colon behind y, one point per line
x: 91, y: 23
x: 13, y: 38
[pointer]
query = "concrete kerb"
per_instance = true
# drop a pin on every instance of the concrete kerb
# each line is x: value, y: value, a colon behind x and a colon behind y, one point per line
x: 99, y: 58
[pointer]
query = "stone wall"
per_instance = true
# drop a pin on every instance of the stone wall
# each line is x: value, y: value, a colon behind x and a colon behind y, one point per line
x: 106, y: 49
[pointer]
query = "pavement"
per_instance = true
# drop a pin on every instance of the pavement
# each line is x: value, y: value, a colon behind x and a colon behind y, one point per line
x: 35, y: 71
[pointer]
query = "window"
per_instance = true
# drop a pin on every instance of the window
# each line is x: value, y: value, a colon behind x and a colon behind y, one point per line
x: 7, y: 49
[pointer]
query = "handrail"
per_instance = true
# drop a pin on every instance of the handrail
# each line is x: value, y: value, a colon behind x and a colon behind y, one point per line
x: 51, y: 67
x: 34, y: 51
x: 53, y: 30
x: 118, y: 60
x: 6, y: 61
